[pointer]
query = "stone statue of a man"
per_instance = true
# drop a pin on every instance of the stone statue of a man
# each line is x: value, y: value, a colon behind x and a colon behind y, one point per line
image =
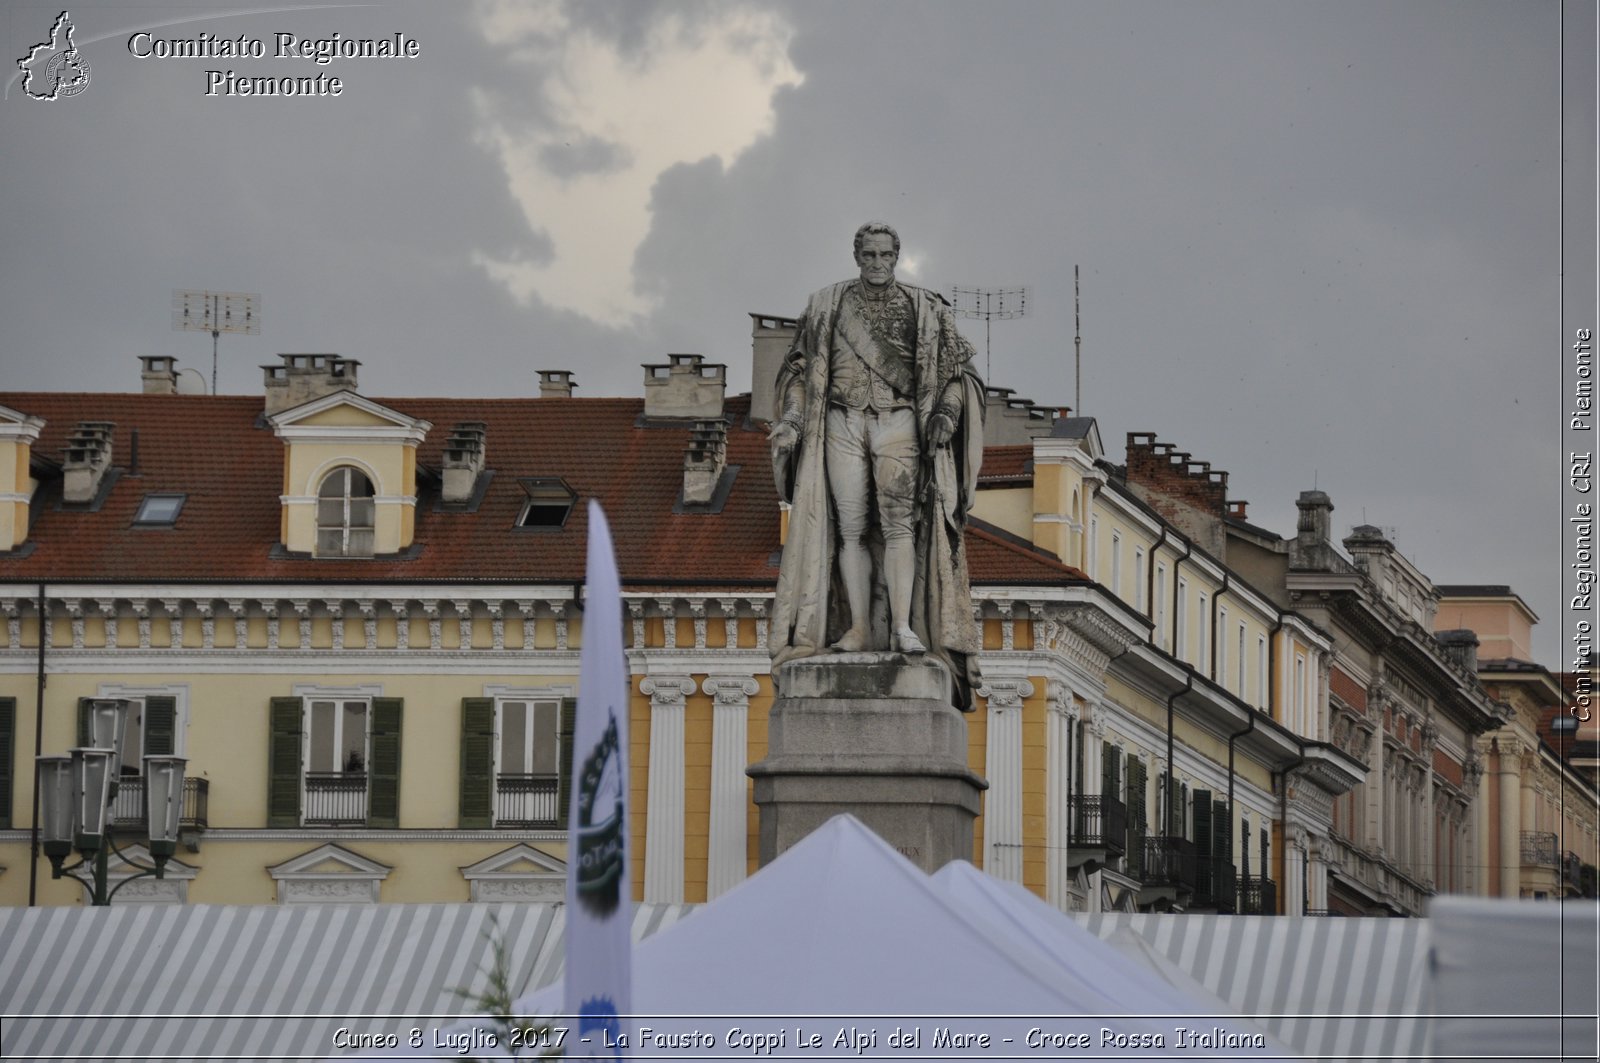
x: 876, y: 444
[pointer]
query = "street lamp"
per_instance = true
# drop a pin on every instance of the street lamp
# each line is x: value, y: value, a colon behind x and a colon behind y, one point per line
x: 75, y: 795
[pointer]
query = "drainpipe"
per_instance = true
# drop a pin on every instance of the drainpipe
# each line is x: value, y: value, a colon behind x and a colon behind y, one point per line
x: 38, y: 751
x: 1169, y: 788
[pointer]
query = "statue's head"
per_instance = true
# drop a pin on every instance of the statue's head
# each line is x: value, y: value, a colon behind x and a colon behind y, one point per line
x: 877, y: 249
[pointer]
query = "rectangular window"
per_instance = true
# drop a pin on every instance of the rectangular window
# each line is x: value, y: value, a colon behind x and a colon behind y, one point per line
x: 1299, y: 721
x: 1261, y: 672
x: 1180, y: 622
x: 1094, y: 548
x: 1240, y: 689
x: 527, y: 768
x: 1221, y: 675
x: 1202, y: 659
x: 1160, y: 618
x: 336, y: 757
x: 1140, y: 602
x: 334, y: 760
x: 1116, y: 566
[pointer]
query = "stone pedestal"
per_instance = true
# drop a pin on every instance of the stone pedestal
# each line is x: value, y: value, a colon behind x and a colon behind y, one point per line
x: 874, y: 735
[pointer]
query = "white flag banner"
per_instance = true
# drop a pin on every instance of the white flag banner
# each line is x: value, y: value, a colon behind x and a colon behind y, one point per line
x: 599, y: 947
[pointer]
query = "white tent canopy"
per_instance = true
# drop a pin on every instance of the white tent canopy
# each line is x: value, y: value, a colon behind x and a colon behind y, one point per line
x: 843, y: 940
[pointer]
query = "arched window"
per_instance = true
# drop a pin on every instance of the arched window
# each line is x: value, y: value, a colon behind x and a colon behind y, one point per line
x: 345, y: 514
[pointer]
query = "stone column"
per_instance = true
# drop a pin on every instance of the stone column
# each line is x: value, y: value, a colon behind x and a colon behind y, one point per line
x: 1294, y: 877
x: 727, y: 857
x: 1002, y: 820
x: 1510, y: 857
x: 664, y: 821
x: 1317, y: 875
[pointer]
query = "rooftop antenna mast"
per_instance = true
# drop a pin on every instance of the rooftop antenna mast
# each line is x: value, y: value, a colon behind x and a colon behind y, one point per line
x: 1077, y: 347
x: 216, y: 313
x: 989, y: 304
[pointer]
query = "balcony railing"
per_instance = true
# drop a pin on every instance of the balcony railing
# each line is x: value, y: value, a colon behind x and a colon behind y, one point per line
x: 527, y: 801
x: 1217, y: 888
x: 128, y: 811
x: 1170, y: 862
x: 1099, y: 822
x: 1258, y: 895
x: 335, y: 799
x: 1539, y: 849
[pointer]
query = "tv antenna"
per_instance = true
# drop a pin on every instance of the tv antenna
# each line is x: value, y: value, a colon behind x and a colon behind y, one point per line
x: 216, y: 313
x: 1077, y: 347
x: 989, y: 304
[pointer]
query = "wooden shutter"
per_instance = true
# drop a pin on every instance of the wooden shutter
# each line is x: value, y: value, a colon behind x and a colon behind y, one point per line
x: 1203, y: 850
x: 284, y: 763
x: 1110, y: 779
x: 383, y: 778
x: 1221, y: 830
x: 160, y: 726
x: 477, y: 763
x: 1136, y: 812
x: 566, y: 732
x: 8, y: 753
x: 83, y: 721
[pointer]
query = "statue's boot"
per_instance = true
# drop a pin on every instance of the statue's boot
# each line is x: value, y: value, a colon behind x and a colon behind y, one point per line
x: 906, y: 641
x: 851, y: 641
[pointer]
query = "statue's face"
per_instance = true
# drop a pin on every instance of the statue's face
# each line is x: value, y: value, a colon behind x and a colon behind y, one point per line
x: 876, y: 259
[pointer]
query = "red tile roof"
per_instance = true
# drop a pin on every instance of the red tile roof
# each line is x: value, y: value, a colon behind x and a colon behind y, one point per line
x: 219, y: 452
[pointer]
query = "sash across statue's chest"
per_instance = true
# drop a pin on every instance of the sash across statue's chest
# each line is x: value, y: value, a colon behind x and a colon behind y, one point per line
x: 873, y: 351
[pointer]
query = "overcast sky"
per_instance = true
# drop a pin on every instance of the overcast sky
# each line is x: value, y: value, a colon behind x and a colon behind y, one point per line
x: 1319, y: 241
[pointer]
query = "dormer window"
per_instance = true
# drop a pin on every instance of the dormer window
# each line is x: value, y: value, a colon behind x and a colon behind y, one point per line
x: 549, y: 502
x: 345, y: 514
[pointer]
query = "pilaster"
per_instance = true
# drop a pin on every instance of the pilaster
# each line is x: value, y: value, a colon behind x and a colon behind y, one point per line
x: 664, y: 825
x: 728, y: 849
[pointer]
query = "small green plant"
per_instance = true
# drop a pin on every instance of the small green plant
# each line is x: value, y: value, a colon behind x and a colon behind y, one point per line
x: 497, y: 1001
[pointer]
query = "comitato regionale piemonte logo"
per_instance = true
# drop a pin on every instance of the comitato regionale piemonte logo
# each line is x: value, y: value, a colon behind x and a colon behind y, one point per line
x: 55, y: 68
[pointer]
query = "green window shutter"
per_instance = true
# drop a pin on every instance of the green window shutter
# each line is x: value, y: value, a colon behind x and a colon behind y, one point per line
x: 1110, y: 780
x: 1222, y: 830
x: 1136, y: 813
x: 160, y: 726
x: 383, y: 779
x: 477, y: 763
x: 1203, y: 850
x: 8, y: 753
x: 568, y: 726
x: 83, y: 720
x: 284, y: 763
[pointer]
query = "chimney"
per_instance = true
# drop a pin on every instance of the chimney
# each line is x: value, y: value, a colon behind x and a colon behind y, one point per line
x: 1460, y: 646
x: 1010, y: 420
x: 555, y: 384
x: 1239, y: 509
x: 770, y: 339
x: 703, y: 464
x: 303, y: 377
x: 88, y: 456
x: 1312, y: 546
x: 463, y: 461
x: 687, y: 387
x: 1190, y: 494
x: 159, y: 374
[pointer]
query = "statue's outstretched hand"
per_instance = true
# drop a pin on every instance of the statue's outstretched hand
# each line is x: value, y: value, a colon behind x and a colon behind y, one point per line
x: 783, y: 436
x: 940, y: 429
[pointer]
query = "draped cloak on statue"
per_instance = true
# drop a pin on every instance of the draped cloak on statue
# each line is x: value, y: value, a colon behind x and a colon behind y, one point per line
x: 811, y: 610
